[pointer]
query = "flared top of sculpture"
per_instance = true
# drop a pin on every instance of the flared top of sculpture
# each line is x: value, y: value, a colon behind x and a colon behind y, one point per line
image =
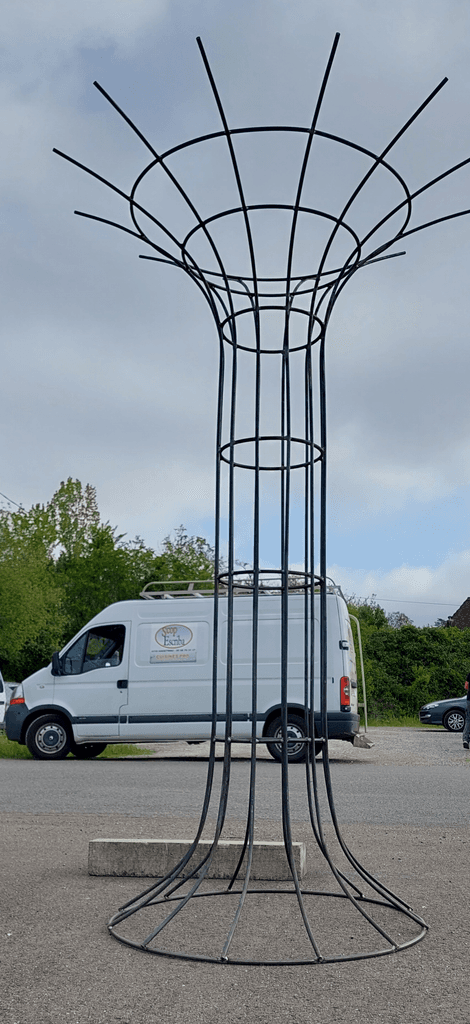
x: 298, y: 220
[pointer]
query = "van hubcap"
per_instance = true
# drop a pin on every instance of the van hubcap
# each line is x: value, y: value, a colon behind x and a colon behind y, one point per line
x: 51, y: 737
x: 293, y: 734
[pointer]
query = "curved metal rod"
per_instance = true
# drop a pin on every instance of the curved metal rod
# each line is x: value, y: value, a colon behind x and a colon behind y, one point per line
x: 303, y: 171
x: 304, y: 961
x: 236, y: 170
x: 270, y: 206
x: 376, y: 164
x: 161, y: 161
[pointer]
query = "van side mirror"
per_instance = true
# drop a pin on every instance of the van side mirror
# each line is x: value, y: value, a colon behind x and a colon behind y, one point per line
x: 56, y: 664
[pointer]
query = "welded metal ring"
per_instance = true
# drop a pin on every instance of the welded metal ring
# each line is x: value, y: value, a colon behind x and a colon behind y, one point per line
x: 293, y: 962
x: 352, y: 260
x: 271, y: 437
x: 300, y: 580
x: 272, y: 351
x: 159, y: 161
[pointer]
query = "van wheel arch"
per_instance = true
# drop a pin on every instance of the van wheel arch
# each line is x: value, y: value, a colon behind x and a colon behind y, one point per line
x: 38, y: 713
x: 273, y: 713
x: 48, y: 736
x: 296, y: 720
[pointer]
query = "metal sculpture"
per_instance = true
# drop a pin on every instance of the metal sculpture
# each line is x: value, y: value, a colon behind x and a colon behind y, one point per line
x: 286, y: 441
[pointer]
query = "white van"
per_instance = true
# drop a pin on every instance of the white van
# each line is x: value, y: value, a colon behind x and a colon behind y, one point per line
x: 142, y: 671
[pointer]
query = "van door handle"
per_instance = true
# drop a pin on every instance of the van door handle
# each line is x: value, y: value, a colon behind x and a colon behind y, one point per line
x: 122, y: 684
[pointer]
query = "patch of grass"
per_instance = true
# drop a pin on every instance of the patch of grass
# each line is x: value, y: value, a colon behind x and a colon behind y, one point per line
x: 397, y: 722
x: 8, y: 748
x: 122, y: 750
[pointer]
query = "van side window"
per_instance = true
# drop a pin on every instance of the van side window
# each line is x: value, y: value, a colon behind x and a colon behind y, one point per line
x: 101, y: 647
x: 72, y: 661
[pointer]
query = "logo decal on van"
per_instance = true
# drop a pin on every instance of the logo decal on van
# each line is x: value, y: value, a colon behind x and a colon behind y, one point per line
x: 173, y: 636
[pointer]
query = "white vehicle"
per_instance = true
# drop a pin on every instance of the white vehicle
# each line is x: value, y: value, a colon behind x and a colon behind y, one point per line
x: 6, y: 690
x: 2, y: 701
x: 142, y: 671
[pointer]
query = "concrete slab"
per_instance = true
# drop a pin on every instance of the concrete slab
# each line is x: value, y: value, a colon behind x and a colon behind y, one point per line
x: 153, y: 858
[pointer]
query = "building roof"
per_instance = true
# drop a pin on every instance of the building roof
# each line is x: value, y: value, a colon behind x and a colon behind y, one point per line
x: 461, y: 618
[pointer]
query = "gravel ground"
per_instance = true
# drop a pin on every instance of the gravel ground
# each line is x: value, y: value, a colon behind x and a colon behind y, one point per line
x: 62, y: 967
x: 402, y: 746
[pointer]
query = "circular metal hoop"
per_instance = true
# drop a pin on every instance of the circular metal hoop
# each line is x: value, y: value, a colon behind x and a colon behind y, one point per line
x: 260, y: 309
x: 296, y: 581
x: 310, y: 445
x: 391, y: 947
x: 352, y: 259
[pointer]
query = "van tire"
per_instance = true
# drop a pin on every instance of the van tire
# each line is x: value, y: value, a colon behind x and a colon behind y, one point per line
x: 48, y: 738
x: 297, y: 729
x: 85, y: 750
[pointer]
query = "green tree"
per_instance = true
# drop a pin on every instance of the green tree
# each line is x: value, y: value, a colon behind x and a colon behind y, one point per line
x: 31, y: 615
x: 186, y: 558
x: 398, y: 619
x: 73, y: 511
x: 371, y: 616
x: 106, y: 570
x: 59, y: 566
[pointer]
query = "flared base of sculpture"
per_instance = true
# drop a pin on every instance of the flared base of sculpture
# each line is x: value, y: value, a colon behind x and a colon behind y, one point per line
x: 337, y: 916
x: 271, y: 919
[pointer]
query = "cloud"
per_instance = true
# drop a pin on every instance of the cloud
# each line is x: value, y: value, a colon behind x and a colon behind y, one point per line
x: 422, y: 592
x: 53, y: 27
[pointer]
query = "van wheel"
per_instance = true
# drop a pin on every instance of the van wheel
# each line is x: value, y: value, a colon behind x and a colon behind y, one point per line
x: 296, y: 732
x: 48, y: 738
x: 83, y: 750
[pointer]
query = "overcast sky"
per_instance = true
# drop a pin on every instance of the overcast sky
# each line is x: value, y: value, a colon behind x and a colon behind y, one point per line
x: 110, y: 362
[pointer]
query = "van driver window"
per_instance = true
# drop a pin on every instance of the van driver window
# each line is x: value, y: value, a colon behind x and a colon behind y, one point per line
x: 72, y: 660
x: 101, y: 647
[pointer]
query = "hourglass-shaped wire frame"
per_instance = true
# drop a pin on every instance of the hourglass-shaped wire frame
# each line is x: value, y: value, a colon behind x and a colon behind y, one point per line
x: 312, y: 296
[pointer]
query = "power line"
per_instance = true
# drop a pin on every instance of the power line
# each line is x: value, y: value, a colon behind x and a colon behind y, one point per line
x: 404, y: 600
x: 10, y: 500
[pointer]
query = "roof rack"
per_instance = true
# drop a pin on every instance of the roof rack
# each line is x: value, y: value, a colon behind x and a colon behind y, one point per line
x: 299, y: 583
x: 168, y: 589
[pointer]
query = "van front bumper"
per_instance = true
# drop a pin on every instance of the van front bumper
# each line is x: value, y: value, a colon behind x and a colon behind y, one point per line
x: 14, y: 719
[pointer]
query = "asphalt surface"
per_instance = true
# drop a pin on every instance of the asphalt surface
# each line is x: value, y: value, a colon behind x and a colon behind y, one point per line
x: 422, y: 780
x: 408, y: 824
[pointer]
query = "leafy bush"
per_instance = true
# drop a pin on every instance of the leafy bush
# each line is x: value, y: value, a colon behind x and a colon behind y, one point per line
x: 408, y: 666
